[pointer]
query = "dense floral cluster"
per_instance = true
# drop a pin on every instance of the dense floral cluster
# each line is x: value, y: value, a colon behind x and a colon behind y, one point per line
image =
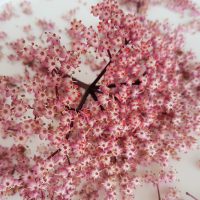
x: 142, y: 108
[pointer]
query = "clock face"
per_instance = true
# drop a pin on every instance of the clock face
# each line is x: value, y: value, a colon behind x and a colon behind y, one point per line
x: 31, y: 20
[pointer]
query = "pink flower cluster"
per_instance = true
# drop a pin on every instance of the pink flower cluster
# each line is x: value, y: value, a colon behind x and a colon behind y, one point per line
x: 180, y: 6
x: 142, y: 108
x: 7, y: 13
x: 26, y: 7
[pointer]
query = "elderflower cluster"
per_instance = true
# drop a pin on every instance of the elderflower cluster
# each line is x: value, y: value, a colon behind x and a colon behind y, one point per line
x: 141, y: 108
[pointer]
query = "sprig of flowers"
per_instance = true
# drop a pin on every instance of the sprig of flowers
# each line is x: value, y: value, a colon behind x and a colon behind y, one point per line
x: 142, y: 108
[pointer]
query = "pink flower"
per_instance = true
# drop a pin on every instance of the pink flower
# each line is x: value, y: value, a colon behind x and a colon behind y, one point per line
x: 142, y: 107
x: 26, y: 7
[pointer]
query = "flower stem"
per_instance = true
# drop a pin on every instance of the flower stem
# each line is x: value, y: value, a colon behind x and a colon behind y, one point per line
x: 158, y: 190
x: 187, y: 193
x: 54, y: 153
